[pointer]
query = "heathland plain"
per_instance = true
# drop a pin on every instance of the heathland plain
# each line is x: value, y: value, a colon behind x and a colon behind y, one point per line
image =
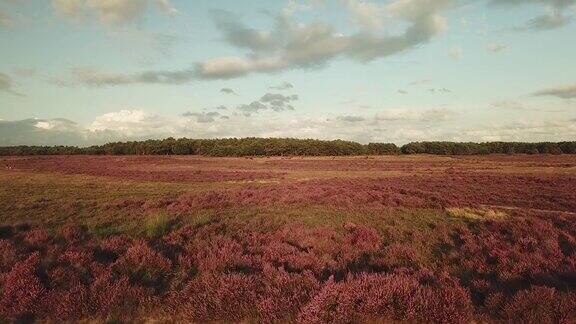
x: 416, y: 238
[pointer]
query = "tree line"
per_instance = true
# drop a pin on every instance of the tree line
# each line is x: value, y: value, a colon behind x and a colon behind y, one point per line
x: 469, y: 148
x: 290, y: 147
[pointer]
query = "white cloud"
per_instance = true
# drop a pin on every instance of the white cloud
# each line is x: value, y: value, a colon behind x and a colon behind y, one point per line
x: 44, y: 125
x: 109, y: 12
x: 439, y: 90
x: 455, y: 52
x: 427, y: 115
x: 69, y: 8
x: 291, y: 45
x: 366, y: 14
x: 5, y: 20
x: 398, y: 126
x: 294, y: 6
x: 496, y: 47
x: 167, y: 7
x: 351, y: 118
x: 132, y: 123
x: 418, y: 9
x: 94, y: 78
x: 508, y: 104
x: 230, y: 67
x: 419, y: 82
x: 24, y: 72
x: 204, y: 117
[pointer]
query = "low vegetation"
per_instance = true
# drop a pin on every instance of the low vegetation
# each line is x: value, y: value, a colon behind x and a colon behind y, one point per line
x: 301, y: 240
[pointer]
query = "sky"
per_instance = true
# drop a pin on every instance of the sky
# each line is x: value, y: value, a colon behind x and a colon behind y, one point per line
x: 84, y: 72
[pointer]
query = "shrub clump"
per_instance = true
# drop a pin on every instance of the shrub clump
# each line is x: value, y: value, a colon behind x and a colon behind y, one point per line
x: 419, y: 297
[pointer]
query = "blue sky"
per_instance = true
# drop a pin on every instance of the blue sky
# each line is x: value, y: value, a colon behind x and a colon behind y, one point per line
x: 88, y: 71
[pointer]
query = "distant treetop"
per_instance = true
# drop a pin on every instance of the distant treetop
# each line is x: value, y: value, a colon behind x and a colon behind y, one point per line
x: 290, y: 147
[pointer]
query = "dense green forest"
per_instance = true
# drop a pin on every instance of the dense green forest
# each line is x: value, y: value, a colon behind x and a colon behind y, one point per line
x: 452, y: 148
x: 290, y: 147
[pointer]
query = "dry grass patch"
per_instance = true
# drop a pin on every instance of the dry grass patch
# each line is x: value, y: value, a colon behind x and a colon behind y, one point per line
x: 476, y: 214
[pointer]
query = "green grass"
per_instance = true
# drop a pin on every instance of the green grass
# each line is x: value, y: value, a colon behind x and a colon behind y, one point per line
x: 158, y: 224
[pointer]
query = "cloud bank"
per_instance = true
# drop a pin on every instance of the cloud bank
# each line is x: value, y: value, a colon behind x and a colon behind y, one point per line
x: 288, y: 45
x: 394, y: 125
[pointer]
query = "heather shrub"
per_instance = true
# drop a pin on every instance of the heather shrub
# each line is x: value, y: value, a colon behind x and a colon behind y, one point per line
x: 36, y: 238
x: 21, y: 289
x: 8, y: 255
x: 220, y: 254
x: 298, y: 249
x: 396, y: 255
x: 62, y: 277
x: 184, y: 270
x: 76, y: 258
x: 66, y: 303
x: 512, y: 250
x: 117, y: 244
x: 362, y: 238
x: 143, y: 265
x: 73, y: 234
x: 540, y: 305
x: 282, y: 254
x: 325, y: 244
x: 113, y: 297
x: 395, y: 297
x: 217, y: 297
x: 284, y: 294
x: 441, y: 300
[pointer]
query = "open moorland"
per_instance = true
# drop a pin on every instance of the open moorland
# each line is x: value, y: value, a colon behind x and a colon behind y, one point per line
x: 414, y: 238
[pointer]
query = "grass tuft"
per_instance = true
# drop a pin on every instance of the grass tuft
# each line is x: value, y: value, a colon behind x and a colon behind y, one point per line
x: 158, y: 224
x: 476, y: 214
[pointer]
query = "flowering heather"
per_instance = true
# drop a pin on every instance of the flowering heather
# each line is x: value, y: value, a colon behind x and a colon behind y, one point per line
x: 21, y: 289
x: 142, y: 263
x: 36, y: 238
x: 415, y: 192
x: 8, y: 255
x: 416, y: 297
x: 443, y: 240
x: 541, y: 305
x: 131, y: 168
